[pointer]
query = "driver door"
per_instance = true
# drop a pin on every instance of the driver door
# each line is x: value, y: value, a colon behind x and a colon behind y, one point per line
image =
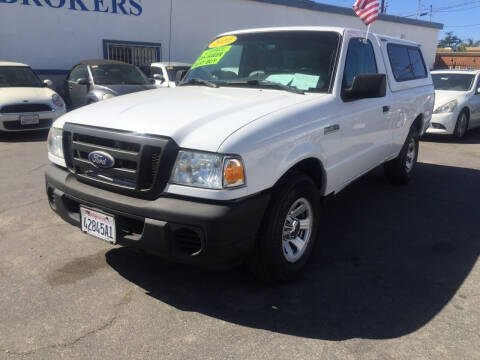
x: 475, y: 105
x: 77, y: 93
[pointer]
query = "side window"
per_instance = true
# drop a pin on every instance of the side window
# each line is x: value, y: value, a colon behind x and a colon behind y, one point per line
x: 418, y: 66
x: 407, y: 62
x: 78, y: 72
x: 360, y: 60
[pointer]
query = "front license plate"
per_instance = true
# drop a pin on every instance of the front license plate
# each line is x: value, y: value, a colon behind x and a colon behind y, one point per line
x: 29, y: 119
x: 98, y: 224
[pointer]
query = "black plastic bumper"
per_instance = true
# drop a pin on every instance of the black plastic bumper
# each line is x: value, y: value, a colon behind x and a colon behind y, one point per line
x: 204, y: 233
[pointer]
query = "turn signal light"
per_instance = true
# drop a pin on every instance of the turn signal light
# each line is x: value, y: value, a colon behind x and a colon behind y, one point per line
x: 233, y: 173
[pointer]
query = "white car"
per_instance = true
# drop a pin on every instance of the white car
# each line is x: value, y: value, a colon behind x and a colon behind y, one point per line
x: 26, y: 103
x: 164, y: 73
x: 232, y: 164
x: 457, y: 102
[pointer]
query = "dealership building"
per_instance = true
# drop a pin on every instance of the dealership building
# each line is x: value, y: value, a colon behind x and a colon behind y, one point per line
x: 52, y: 35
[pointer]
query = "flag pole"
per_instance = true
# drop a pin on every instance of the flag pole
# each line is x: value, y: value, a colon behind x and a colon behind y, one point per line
x: 368, y: 30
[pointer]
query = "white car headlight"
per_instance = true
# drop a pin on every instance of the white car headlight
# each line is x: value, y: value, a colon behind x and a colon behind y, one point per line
x: 55, y: 143
x: 107, y: 96
x: 208, y: 170
x: 447, y: 108
x: 57, y: 101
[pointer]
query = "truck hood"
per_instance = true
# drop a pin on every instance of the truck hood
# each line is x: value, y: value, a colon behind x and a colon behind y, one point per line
x: 125, y: 89
x: 20, y: 95
x: 196, y: 117
x: 442, y: 97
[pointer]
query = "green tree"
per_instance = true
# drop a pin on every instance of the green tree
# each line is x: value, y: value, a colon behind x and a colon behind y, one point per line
x: 450, y: 40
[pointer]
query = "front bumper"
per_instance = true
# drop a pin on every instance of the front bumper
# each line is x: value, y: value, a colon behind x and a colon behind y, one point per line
x: 11, y: 122
x: 210, y: 234
x: 443, y: 123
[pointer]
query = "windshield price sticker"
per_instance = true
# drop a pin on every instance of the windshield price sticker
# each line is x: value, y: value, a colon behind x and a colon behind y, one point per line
x: 211, y: 56
x: 224, y: 40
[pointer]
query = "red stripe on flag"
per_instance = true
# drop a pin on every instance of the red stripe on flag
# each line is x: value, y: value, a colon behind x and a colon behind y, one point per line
x: 367, y: 10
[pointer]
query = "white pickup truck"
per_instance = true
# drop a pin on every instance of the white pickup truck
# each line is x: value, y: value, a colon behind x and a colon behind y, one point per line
x: 232, y: 164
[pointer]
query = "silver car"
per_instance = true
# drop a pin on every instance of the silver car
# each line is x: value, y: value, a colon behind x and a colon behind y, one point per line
x: 91, y: 81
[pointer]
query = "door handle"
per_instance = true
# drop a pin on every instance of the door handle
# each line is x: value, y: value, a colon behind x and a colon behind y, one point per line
x: 331, y: 129
x: 386, y: 108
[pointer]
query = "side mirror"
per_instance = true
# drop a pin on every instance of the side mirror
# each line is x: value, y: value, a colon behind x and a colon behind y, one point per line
x: 48, y: 83
x: 179, y: 76
x: 159, y: 77
x: 83, y: 81
x: 366, y: 86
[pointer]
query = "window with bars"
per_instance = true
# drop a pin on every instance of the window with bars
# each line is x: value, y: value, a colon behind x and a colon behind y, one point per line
x: 135, y: 53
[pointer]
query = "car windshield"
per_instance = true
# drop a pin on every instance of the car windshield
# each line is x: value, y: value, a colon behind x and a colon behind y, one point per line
x: 18, y: 76
x: 118, y: 74
x: 302, y: 60
x: 172, y: 71
x: 453, y: 82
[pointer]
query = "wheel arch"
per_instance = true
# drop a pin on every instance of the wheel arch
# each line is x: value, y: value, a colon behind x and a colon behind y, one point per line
x: 311, y: 166
x: 418, y: 123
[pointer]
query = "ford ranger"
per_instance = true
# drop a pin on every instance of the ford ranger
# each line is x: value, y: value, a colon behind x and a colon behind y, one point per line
x: 232, y: 164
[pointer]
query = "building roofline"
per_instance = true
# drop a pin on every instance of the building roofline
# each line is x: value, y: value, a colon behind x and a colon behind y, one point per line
x: 458, y: 53
x: 310, y: 5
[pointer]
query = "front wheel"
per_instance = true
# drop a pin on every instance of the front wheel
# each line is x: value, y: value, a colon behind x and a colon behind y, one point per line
x: 461, y: 125
x: 289, y: 231
x: 399, y: 170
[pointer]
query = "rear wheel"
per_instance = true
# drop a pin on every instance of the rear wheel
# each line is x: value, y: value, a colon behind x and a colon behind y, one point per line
x: 461, y: 125
x: 399, y: 170
x: 288, y: 233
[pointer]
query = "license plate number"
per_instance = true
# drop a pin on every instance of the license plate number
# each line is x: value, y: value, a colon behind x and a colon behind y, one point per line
x: 98, y: 224
x: 29, y: 119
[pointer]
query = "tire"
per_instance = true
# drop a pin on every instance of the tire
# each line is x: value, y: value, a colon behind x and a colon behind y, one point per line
x: 461, y: 126
x: 399, y: 170
x: 276, y: 258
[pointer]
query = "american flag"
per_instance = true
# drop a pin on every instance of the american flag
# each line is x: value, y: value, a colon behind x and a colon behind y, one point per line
x: 367, y: 10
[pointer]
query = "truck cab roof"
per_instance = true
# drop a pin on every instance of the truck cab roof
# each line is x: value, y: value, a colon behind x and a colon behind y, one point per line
x: 340, y: 30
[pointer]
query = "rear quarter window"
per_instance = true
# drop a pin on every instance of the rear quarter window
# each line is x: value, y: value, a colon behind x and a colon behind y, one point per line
x: 407, y: 62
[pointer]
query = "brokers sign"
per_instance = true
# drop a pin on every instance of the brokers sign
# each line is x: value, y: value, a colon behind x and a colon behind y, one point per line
x: 123, y: 7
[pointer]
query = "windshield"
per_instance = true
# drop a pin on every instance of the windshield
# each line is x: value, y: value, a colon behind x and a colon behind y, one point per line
x: 453, y: 82
x: 301, y: 59
x: 18, y: 76
x: 118, y: 74
x: 172, y: 71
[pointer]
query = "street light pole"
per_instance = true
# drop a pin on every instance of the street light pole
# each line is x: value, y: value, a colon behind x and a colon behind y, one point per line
x: 382, y: 8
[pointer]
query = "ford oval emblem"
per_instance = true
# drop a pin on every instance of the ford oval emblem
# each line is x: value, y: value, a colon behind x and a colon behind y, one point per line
x: 101, y: 159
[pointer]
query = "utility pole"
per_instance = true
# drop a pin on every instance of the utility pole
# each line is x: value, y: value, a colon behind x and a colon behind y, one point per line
x: 431, y: 12
x: 382, y: 8
x: 418, y: 8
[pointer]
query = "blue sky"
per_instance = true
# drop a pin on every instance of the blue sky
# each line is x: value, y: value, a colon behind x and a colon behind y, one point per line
x: 457, y: 19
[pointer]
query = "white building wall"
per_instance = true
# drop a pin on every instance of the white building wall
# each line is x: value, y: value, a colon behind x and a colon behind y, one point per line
x: 48, y: 38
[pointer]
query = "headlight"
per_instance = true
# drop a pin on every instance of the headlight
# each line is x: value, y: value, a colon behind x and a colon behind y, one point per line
x: 55, y: 143
x: 208, y: 170
x: 57, y: 101
x: 107, y: 96
x: 447, y: 108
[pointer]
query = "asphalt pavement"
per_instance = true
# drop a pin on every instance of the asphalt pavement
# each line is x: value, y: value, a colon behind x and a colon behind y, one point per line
x: 395, y: 275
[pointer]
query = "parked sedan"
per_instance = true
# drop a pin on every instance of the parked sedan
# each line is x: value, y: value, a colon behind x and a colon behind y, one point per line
x: 457, y: 102
x: 91, y: 81
x: 26, y: 103
x: 164, y: 73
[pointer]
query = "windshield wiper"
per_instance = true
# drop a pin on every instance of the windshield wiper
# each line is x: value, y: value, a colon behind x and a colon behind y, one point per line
x: 268, y: 83
x: 196, y: 81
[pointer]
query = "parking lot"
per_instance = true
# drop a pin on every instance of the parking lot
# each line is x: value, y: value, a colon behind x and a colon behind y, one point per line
x: 394, y: 276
